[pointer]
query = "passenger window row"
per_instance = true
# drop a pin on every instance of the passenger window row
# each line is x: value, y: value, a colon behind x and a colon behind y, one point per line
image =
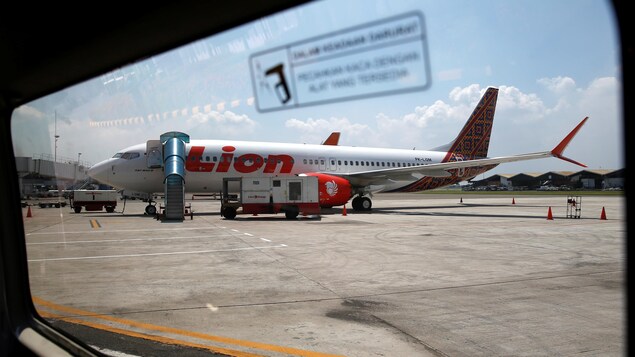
x: 305, y: 161
x: 360, y: 163
x: 228, y: 159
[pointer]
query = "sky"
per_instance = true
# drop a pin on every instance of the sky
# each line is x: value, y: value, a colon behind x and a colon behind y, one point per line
x: 554, y: 63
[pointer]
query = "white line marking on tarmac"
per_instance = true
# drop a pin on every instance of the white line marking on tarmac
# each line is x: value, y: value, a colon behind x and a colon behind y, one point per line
x: 125, y: 240
x: 249, y: 234
x: 122, y: 230
x: 155, y: 254
x: 264, y: 239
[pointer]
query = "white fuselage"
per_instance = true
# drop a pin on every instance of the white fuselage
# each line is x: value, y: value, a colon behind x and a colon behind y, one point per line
x: 207, y: 162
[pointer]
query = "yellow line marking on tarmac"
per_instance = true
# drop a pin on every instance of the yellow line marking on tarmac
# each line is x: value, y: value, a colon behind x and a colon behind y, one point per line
x: 94, y: 223
x: 151, y: 327
x: 144, y: 336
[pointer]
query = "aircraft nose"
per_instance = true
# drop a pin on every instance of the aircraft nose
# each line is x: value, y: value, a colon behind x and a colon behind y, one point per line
x: 99, y: 172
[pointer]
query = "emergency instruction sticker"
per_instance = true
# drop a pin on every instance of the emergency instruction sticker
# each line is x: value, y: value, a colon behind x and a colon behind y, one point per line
x: 379, y: 58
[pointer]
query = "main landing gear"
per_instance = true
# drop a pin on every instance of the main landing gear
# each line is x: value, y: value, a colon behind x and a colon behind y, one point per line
x: 362, y: 203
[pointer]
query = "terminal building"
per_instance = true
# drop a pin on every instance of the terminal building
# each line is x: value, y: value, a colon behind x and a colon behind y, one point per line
x: 44, y: 175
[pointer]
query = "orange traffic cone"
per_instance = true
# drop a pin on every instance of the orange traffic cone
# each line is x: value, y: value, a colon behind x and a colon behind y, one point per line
x: 513, y: 201
x: 344, y: 211
x: 603, y: 215
x: 28, y: 212
x: 549, y: 215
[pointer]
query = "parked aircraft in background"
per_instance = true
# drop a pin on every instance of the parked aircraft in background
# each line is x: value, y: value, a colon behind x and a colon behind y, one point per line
x: 343, y: 172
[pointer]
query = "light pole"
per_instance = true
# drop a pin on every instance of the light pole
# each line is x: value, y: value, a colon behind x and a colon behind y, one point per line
x: 56, y: 137
x: 77, y: 168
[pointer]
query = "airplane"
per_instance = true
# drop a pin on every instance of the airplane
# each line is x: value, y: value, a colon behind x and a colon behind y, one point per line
x: 344, y: 172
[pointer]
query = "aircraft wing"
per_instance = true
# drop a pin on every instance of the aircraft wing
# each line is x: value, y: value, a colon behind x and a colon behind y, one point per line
x: 378, y: 177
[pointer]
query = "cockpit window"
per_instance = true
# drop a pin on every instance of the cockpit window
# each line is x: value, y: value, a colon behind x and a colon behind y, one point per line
x: 130, y: 155
x: 126, y: 155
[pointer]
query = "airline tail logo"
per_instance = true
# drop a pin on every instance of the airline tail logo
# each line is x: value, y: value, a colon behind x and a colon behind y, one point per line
x: 331, y: 188
x: 473, y: 140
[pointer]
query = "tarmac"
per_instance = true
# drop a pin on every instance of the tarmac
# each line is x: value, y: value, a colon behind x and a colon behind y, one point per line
x: 419, y: 275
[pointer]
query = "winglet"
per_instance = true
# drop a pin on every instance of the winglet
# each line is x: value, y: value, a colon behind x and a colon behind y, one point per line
x: 333, y: 139
x: 559, y: 149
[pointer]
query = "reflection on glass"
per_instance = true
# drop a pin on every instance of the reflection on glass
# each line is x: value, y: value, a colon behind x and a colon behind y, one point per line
x: 385, y: 74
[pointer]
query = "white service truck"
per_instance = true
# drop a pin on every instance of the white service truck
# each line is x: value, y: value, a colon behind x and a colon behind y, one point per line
x: 93, y: 200
x: 288, y: 194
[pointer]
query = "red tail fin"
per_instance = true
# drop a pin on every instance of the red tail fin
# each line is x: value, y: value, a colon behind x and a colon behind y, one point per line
x: 333, y: 139
x: 473, y: 140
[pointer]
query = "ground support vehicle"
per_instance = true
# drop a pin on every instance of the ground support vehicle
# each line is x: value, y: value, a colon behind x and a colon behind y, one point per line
x: 93, y: 200
x: 261, y: 195
x: 52, y: 202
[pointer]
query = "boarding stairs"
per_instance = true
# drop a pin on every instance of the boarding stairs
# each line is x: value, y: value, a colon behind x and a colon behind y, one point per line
x: 174, y: 175
x: 174, y: 198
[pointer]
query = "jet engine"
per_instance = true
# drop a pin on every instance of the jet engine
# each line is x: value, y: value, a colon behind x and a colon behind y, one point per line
x: 334, y: 190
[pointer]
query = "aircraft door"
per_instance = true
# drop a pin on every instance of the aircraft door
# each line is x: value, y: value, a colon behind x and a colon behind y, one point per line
x: 322, y: 163
x: 332, y: 164
x: 154, y: 153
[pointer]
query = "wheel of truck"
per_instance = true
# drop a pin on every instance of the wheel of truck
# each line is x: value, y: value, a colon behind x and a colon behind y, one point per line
x: 291, y: 213
x: 110, y: 209
x: 57, y: 205
x: 42, y: 205
x: 229, y: 212
x: 151, y: 210
x: 77, y: 209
